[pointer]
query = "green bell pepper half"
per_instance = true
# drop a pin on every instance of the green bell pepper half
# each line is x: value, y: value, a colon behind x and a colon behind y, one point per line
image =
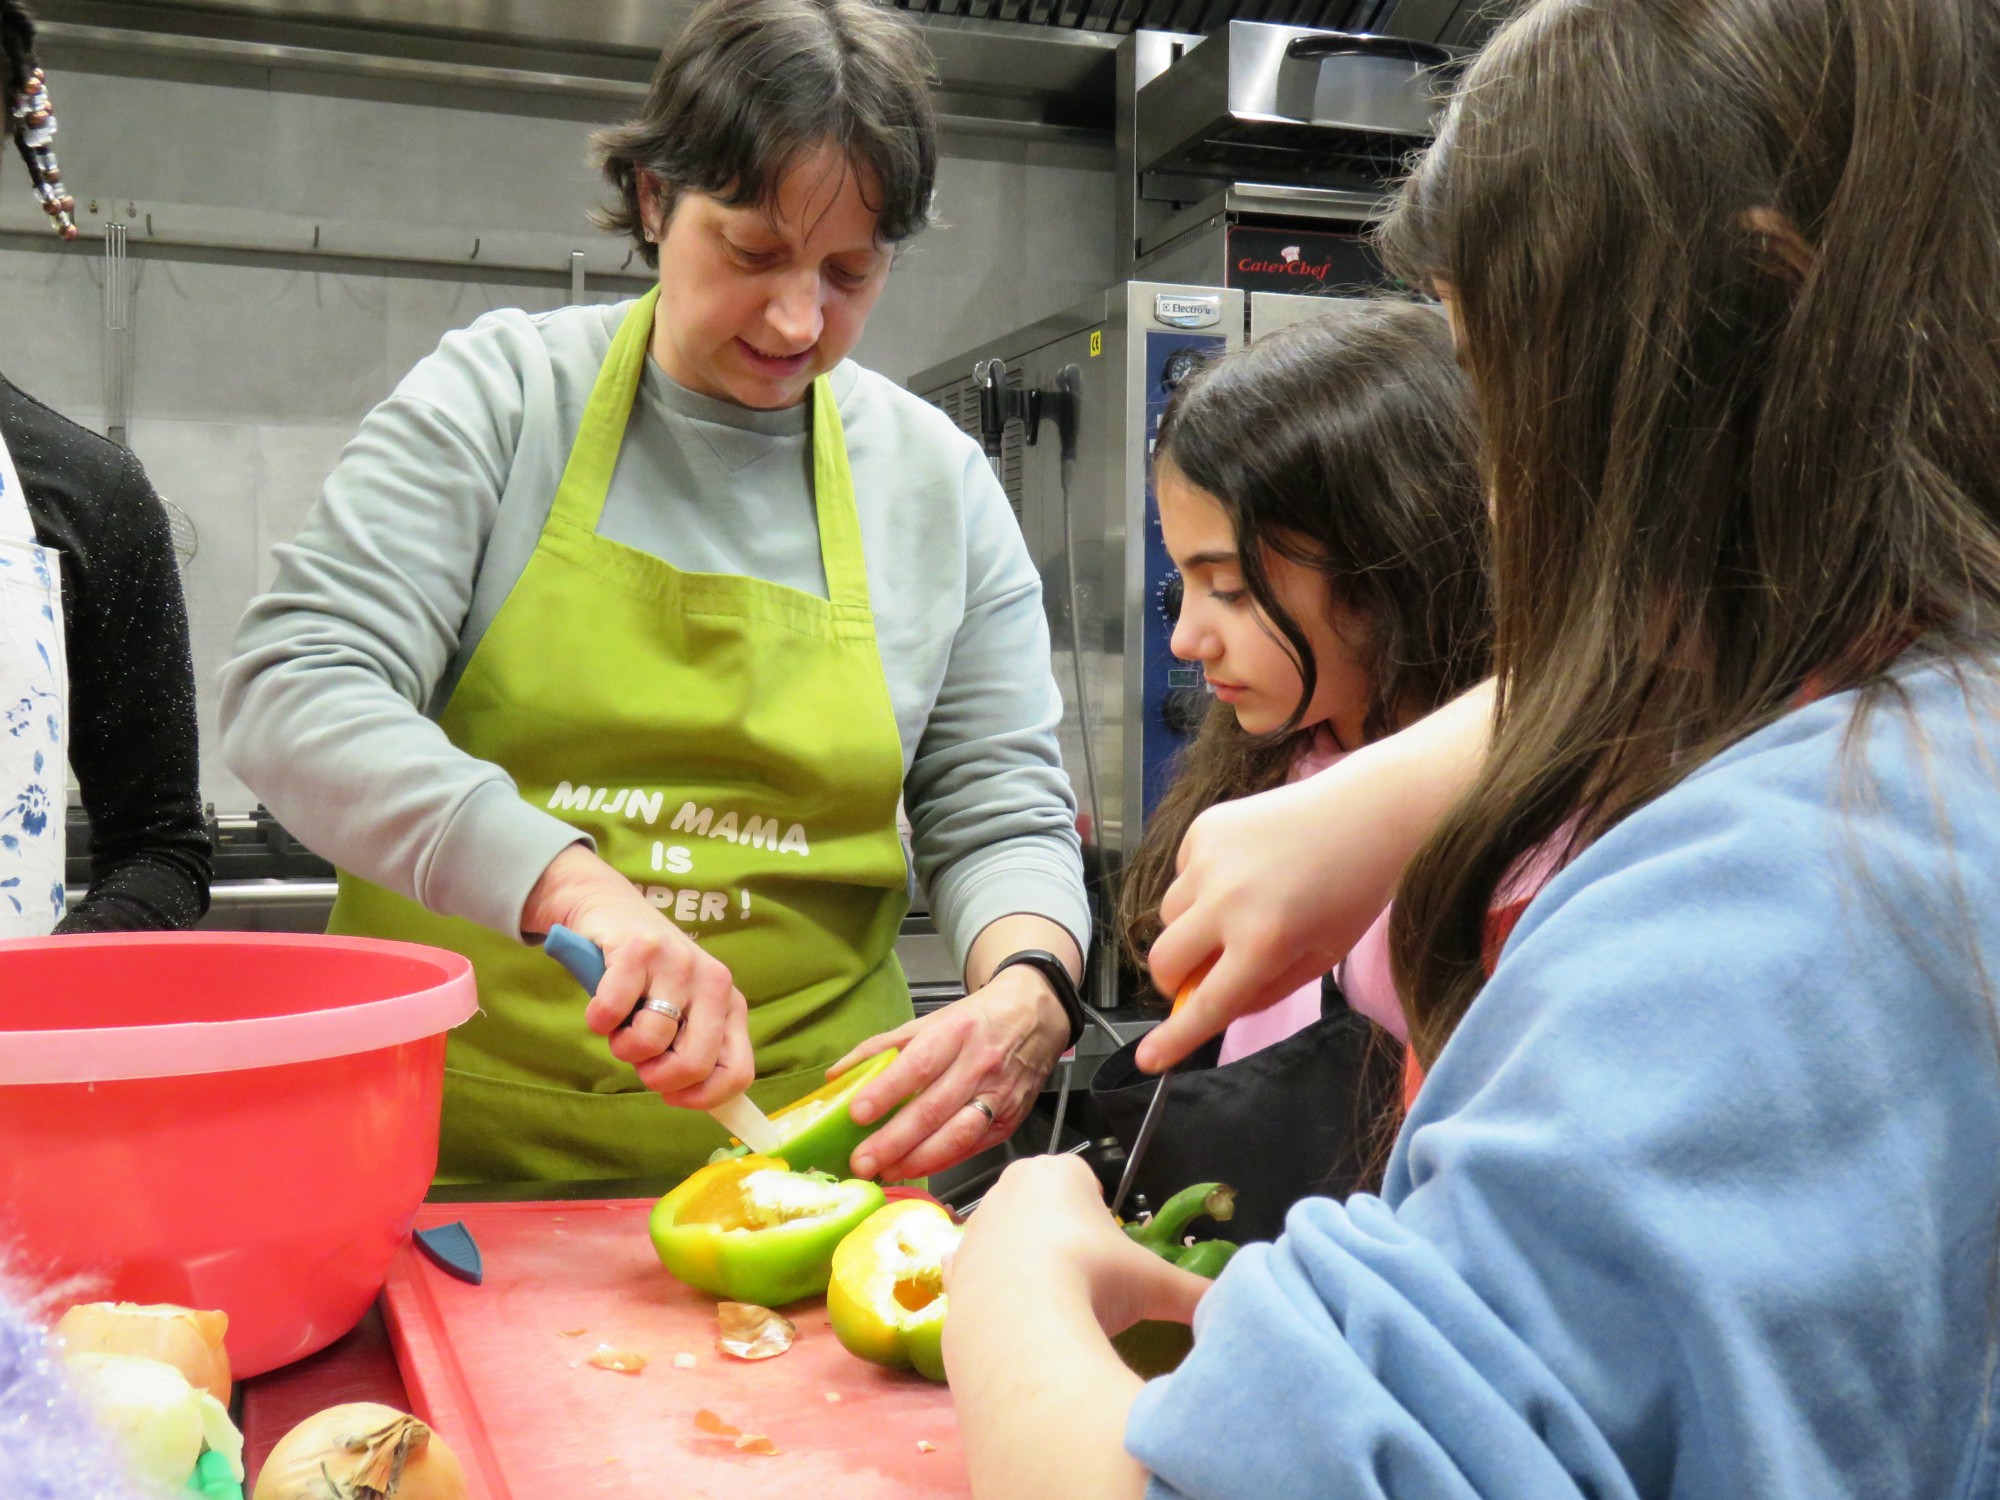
x: 816, y: 1133
x: 1205, y: 1257
x: 1165, y: 1231
x: 751, y: 1230
x: 1157, y: 1347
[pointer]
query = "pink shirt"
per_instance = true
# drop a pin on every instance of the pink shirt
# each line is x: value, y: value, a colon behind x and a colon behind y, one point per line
x: 1363, y: 975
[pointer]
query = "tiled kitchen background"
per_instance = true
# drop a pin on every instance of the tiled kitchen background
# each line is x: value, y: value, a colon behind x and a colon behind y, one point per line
x: 252, y: 368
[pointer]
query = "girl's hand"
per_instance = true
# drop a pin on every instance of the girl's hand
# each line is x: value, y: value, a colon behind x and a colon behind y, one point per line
x: 696, y: 1063
x: 1041, y: 1278
x: 1043, y: 1238
x: 1278, y: 887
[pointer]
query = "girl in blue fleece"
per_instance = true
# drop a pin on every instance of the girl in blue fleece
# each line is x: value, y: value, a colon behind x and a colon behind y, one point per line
x: 1701, y: 1196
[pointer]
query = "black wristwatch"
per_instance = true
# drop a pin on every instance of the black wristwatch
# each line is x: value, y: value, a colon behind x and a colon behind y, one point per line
x: 1057, y: 973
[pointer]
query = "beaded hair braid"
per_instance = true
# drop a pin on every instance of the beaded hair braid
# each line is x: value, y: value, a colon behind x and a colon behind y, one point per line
x: 31, y: 119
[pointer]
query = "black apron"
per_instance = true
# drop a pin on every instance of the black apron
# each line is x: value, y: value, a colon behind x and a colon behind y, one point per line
x: 1310, y: 1116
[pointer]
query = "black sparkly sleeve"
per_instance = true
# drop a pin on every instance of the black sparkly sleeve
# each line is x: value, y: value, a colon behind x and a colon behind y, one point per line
x: 132, y: 719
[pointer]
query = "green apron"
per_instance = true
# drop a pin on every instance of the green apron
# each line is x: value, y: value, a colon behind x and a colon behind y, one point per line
x: 730, y: 745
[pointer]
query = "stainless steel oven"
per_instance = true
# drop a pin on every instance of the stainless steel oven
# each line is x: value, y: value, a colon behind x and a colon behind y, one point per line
x: 1071, y: 450
x: 1067, y: 409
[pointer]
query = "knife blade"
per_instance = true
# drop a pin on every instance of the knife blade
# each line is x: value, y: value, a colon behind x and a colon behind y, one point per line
x: 1150, y: 1121
x: 585, y: 962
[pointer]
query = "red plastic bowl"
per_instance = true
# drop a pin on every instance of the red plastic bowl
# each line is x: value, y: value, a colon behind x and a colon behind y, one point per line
x: 237, y: 1120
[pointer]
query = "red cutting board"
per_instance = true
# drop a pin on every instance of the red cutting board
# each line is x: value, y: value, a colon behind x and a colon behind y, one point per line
x: 498, y: 1372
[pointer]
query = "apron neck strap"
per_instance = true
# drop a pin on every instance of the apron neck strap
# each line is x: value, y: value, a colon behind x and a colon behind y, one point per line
x: 833, y: 499
x: 593, y: 457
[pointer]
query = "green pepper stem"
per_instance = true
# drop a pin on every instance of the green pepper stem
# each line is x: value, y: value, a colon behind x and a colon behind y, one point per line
x: 1162, y: 1233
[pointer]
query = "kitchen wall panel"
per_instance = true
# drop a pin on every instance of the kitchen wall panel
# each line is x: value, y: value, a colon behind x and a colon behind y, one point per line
x: 267, y: 345
x: 51, y: 312
x: 251, y: 368
x: 211, y: 471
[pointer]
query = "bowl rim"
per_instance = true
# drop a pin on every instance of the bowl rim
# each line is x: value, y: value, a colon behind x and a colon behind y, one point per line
x: 70, y: 1055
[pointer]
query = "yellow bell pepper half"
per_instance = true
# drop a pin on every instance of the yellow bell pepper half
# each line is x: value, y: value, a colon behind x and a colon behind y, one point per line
x: 887, y: 1298
x: 749, y: 1229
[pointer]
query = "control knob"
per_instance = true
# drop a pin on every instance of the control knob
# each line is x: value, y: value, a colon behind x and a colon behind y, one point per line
x: 1178, y: 366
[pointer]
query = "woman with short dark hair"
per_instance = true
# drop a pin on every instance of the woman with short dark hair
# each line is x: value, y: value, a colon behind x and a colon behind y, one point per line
x: 642, y: 619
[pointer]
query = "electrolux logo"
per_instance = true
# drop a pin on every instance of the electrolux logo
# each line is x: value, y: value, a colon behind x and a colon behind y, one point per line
x: 1187, y: 311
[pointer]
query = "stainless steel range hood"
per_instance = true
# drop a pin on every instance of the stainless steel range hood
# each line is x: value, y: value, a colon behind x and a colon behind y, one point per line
x: 646, y: 24
x: 1258, y: 156
x: 1056, y: 82
x: 1289, y: 104
x: 1015, y: 65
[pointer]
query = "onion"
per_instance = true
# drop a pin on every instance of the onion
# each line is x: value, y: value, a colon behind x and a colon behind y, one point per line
x: 159, y: 1421
x: 188, y: 1340
x: 361, y: 1451
x: 752, y: 1332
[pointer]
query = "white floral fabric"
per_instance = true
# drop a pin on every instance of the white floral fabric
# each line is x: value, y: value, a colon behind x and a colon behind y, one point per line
x: 34, y: 704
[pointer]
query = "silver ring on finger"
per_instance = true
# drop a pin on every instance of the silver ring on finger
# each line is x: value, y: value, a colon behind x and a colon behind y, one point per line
x: 665, y: 1008
x: 985, y: 1109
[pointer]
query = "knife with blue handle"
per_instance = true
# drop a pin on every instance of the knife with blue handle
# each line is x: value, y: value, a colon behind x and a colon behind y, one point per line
x: 585, y: 962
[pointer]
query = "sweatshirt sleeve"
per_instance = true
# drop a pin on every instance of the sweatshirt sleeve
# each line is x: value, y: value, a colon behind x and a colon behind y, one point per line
x: 1697, y: 1201
x: 132, y: 717
x: 323, y: 709
x: 992, y: 816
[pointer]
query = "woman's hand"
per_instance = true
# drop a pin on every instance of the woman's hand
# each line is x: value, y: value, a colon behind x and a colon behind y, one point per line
x: 997, y: 1045
x: 1041, y: 1278
x: 695, y: 1063
x: 1278, y: 887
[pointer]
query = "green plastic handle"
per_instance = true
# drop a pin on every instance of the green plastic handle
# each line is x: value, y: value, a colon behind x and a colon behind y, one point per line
x: 212, y: 1480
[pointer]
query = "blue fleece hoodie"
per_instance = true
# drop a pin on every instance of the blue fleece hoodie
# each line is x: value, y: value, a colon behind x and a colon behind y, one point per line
x: 1701, y: 1199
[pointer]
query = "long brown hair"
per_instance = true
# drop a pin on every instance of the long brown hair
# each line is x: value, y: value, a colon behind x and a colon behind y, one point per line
x: 1724, y: 277
x: 1345, y: 443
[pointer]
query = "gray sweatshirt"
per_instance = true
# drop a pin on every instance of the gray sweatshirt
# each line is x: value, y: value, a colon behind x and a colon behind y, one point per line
x: 431, y: 515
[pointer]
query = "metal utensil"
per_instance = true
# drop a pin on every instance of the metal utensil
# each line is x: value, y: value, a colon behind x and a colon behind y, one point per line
x: 985, y: 1179
x: 1150, y: 1121
x: 585, y: 962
